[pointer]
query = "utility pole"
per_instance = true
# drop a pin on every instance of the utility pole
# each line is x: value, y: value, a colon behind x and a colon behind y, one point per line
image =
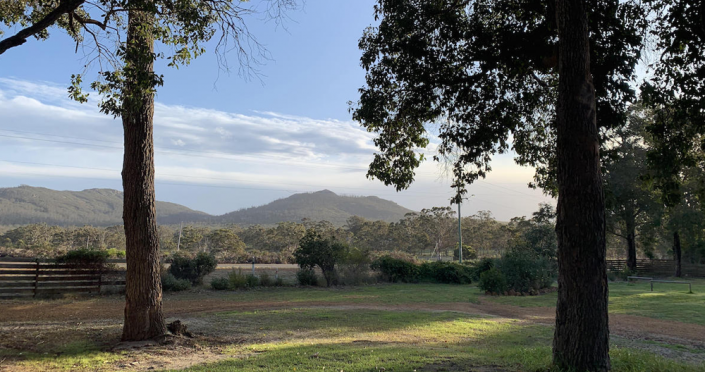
x: 460, y: 237
x: 178, y: 244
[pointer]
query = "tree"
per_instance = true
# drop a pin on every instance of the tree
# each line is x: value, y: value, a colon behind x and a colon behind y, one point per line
x: 485, y: 72
x: 324, y: 252
x: 128, y: 92
x: 224, y: 242
x: 631, y: 204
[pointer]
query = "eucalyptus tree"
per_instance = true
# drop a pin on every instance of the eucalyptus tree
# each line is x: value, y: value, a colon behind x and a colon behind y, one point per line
x: 501, y: 75
x: 632, y: 204
x: 675, y: 92
x: 122, y: 38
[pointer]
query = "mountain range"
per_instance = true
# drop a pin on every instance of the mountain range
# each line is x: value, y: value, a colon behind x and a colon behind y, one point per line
x: 103, y: 207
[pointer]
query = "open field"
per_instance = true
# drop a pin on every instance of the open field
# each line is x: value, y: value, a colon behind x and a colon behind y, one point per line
x: 401, y: 327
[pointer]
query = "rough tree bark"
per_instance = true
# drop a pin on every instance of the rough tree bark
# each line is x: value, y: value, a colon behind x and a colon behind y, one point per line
x: 581, y: 339
x: 677, y: 253
x: 143, y: 293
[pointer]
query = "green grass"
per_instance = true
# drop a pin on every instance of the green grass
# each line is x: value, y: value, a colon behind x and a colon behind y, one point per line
x: 77, y: 355
x: 335, y: 340
x: 389, y: 294
x: 667, y: 301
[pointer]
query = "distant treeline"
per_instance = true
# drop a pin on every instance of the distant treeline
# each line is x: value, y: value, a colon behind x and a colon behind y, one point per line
x: 432, y: 233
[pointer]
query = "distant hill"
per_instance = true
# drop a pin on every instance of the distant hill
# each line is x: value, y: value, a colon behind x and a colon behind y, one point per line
x: 318, y: 206
x: 99, y: 207
x: 103, y: 207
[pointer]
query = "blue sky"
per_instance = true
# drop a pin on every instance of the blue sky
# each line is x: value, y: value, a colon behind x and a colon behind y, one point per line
x: 225, y: 143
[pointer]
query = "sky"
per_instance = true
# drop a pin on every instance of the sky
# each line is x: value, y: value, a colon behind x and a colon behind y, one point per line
x: 226, y: 141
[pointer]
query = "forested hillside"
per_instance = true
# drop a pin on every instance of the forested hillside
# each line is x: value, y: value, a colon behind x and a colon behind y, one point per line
x: 103, y: 207
x: 98, y: 207
x: 323, y: 205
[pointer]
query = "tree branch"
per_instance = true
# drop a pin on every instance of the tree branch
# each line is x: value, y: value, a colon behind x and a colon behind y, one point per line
x: 65, y: 6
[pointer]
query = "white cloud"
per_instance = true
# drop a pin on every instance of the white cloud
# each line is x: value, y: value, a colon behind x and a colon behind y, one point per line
x: 44, y: 134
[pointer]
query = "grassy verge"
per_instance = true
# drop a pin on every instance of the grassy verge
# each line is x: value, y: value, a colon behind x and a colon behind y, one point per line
x: 667, y: 301
x: 335, y: 340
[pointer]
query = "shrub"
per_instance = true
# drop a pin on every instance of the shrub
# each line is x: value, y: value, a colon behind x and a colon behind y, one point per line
x: 220, y: 284
x: 172, y: 284
x: 493, y: 281
x: 307, y: 277
x: 265, y: 280
x: 237, y: 279
x: 396, y: 270
x: 84, y: 257
x: 278, y: 282
x: 252, y: 281
x: 468, y: 253
x: 445, y: 272
x: 324, y: 252
x: 485, y: 264
x: 116, y: 253
x: 355, y: 268
x: 611, y: 275
x: 397, y: 254
x: 193, y: 270
x: 525, y: 272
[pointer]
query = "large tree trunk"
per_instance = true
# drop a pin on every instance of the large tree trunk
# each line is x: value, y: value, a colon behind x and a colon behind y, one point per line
x: 677, y: 253
x: 143, y: 292
x: 631, y: 243
x: 581, y: 339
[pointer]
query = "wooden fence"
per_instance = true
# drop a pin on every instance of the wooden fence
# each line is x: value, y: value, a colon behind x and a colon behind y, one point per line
x: 660, y: 268
x: 28, y: 277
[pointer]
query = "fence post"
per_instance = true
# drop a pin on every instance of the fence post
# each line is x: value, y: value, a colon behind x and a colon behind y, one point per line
x: 36, y: 277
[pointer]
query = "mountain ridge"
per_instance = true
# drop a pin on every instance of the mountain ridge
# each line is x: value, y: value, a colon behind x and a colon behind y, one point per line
x: 103, y: 207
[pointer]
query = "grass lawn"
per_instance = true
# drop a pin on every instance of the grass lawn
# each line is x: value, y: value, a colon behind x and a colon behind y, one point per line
x: 393, y: 338
x: 667, y: 301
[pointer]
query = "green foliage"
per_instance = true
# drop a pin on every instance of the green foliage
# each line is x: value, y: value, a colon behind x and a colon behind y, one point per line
x: 395, y: 270
x: 307, y: 277
x: 483, y: 265
x: 193, y: 269
x: 625, y: 273
x: 468, y: 253
x: 445, y: 272
x: 237, y: 279
x: 526, y: 272
x: 322, y: 252
x: 265, y: 280
x: 84, y: 257
x: 220, y: 284
x: 493, y: 281
x: 354, y: 268
x: 116, y: 253
x: 439, y: 62
x: 251, y: 281
x: 172, y: 284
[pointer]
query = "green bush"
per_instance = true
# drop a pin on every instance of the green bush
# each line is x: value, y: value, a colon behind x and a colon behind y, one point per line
x: 116, y: 253
x: 307, y: 277
x: 172, y: 284
x: 84, y: 257
x: 194, y: 269
x: 468, y: 253
x: 355, y: 268
x: 265, y: 280
x: 611, y: 275
x: 325, y: 252
x: 237, y: 279
x: 279, y: 282
x: 252, y: 281
x: 525, y: 272
x: 220, y: 284
x: 493, y: 281
x: 395, y: 270
x: 445, y: 272
x: 483, y: 265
